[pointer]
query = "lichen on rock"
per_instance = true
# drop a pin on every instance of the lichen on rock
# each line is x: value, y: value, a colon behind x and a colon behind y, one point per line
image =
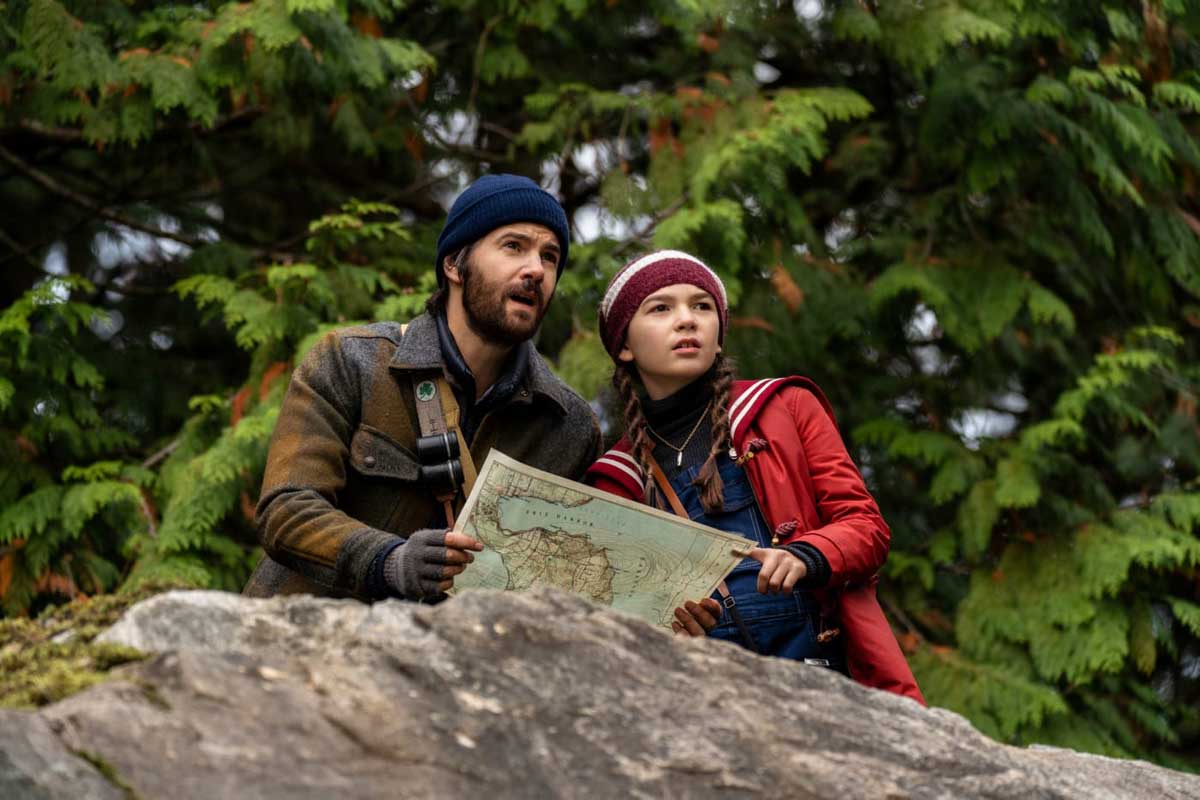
x: 54, y: 656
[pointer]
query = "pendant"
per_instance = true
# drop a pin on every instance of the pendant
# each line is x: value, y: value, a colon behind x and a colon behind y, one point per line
x: 733, y: 454
x: 679, y: 459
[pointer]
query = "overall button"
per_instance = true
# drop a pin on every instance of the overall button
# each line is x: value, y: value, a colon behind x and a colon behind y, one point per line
x: 369, y: 461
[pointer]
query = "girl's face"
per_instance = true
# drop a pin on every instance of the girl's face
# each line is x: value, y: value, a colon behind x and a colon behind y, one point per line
x: 672, y: 338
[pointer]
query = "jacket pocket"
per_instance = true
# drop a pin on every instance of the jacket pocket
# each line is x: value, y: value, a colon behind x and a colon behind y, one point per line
x: 375, y: 454
x: 383, y: 487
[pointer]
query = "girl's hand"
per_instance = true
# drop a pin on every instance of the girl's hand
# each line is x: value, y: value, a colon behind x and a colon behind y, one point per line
x: 780, y: 569
x: 696, y: 619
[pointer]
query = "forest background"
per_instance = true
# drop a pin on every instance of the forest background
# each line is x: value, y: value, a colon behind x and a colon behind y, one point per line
x: 974, y: 222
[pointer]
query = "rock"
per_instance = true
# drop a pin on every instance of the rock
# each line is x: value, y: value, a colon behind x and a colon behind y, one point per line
x: 35, y: 765
x: 519, y: 695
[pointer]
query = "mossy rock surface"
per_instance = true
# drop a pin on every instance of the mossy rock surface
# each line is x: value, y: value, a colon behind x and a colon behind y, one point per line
x: 45, y: 659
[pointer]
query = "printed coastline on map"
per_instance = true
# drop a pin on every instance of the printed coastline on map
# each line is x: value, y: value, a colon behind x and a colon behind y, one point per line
x: 542, y: 530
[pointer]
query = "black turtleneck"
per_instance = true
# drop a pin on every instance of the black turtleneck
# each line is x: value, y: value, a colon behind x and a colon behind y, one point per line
x: 462, y: 380
x: 674, y: 417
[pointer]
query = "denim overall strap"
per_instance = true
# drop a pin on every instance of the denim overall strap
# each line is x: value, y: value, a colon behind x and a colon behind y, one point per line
x: 727, y: 600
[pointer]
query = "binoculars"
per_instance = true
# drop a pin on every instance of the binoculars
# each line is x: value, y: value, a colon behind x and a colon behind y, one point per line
x: 441, y: 469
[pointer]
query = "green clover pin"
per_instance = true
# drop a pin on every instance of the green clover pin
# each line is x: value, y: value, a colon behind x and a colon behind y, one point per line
x: 425, y: 391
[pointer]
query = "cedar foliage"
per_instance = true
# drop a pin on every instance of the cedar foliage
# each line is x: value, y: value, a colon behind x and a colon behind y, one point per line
x: 974, y: 222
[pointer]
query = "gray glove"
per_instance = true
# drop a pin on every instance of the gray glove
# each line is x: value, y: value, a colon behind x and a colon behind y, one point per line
x: 414, y: 569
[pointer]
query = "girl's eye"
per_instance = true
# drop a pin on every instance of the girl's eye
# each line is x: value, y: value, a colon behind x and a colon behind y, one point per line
x: 704, y: 305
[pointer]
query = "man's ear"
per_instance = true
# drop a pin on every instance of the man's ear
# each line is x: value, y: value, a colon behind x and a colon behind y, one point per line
x: 451, y: 271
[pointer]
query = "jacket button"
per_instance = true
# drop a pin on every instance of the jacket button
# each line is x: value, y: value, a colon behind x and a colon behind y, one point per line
x: 524, y: 393
x: 369, y: 461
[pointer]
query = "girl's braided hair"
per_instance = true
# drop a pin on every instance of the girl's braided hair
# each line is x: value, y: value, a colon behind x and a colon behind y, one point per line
x: 708, y: 480
x: 635, y: 424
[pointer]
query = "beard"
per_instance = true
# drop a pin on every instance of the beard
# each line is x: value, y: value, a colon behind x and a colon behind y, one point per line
x: 485, y: 304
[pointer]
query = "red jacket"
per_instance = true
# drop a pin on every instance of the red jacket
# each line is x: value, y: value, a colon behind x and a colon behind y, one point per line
x: 805, y: 475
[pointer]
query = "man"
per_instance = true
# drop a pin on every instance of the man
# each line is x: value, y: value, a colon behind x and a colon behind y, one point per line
x: 344, y: 509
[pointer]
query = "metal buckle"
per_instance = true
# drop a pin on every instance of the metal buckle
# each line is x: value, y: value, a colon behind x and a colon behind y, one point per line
x: 828, y: 635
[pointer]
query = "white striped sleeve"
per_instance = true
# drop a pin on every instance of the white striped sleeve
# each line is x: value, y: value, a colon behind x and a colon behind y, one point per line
x: 608, y: 461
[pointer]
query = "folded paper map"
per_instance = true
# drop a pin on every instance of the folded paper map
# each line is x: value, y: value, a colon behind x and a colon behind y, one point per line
x: 542, y: 530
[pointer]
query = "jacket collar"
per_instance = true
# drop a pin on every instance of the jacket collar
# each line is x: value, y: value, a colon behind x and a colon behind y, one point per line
x: 419, y: 349
x: 749, y: 397
x: 508, y: 382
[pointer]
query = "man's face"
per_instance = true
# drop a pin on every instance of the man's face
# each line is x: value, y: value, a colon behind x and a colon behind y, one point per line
x: 508, y: 282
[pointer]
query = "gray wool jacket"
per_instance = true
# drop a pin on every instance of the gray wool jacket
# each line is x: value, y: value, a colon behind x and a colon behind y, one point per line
x: 342, y: 483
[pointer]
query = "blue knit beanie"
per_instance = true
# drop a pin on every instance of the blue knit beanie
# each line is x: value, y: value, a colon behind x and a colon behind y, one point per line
x: 496, y: 200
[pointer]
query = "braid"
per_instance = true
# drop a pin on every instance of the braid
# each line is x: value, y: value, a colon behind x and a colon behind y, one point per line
x: 708, y: 481
x: 635, y: 425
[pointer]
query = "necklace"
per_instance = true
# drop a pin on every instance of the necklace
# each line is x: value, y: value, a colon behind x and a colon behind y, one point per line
x: 679, y: 450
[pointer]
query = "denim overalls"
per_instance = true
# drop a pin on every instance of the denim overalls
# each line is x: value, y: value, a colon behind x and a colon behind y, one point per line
x: 783, y: 625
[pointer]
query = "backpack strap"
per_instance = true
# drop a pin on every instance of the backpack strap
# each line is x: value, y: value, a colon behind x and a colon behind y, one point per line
x: 438, y: 417
x: 451, y: 415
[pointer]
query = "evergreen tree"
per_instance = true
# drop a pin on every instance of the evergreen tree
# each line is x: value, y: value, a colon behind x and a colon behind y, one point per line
x: 974, y: 222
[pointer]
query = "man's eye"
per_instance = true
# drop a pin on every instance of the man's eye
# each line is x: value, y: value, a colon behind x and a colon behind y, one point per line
x: 551, y: 257
x: 511, y: 245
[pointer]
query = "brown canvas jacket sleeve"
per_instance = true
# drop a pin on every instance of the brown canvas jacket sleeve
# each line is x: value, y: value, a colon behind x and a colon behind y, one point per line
x: 299, y: 524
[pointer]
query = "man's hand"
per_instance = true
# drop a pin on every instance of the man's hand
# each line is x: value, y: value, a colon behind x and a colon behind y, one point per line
x: 780, y: 569
x: 426, y: 564
x: 696, y: 619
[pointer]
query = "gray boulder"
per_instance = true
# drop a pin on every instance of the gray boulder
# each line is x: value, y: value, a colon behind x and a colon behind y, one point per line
x: 509, y: 695
x: 36, y: 765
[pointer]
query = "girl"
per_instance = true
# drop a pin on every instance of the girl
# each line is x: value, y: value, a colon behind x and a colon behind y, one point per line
x: 762, y: 459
